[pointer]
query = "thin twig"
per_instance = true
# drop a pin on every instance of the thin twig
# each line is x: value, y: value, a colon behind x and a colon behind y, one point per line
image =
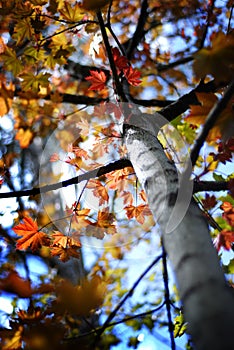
x: 128, y: 295
x: 167, y: 298
x: 209, y: 14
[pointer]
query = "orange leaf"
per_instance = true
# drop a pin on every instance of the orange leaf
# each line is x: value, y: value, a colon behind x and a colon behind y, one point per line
x: 99, y: 191
x: 139, y: 212
x: 115, y: 177
x: 24, y: 137
x: 224, y: 239
x: 6, y: 97
x: 216, y: 60
x: 13, y: 283
x: 98, y: 80
x: 198, y: 115
x: 81, y: 300
x: 59, y: 238
x: 31, y: 236
x: 65, y: 253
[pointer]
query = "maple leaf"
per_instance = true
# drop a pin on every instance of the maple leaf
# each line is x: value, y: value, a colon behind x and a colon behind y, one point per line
x: 132, y: 76
x: 127, y: 197
x: 199, y: 113
x: 83, y: 299
x: 64, y: 241
x: 79, y: 152
x: 117, y: 179
x: 24, y: 137
x: 216, y: 60
x: 59, y: 238
x: 23, y: 30
x: 79, y: 216
x: 228, y: 214
x: 138, y: 212
x: 35, y: 82
x: 15, y: 284
x: 84, y: 127
x: 121, y: 62
x: 6, y: 97
x: 31, y: 236
x: 98, y: 80
x: 11, y: 61
x: 73, y: 14
x: 99, y: 190
x: 224, y: 239
x: 65, y: 253
x: 209, y: 202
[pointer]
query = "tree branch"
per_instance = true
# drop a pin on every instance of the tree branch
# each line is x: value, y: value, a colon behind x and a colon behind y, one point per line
x: 210, y: 186
x: 129, y: 294
x: 183, y: 103
x: 210, y: 122
x: 139, y: 32
x: 118, y: 84
x: 167, y: 298
x: 119, y: 164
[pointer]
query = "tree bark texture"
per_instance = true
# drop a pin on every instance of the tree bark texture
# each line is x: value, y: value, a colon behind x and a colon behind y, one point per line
x: 208, y: 303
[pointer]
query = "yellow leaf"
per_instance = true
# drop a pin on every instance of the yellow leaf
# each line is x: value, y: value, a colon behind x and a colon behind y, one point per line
x: 33, y: 82
x: 23, y: 30
x: 24, y: 137
x: 216, y: 60
x: 6, y: 97
x: 81, y: 300
x: 11, y: 62
x: 73, y: 14
x: 15, y: 342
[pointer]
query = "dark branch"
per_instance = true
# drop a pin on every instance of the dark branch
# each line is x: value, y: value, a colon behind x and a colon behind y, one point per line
x: 119, y: 164
x: 118, y: 84
x: 210, y: 122
x: 210, y: 186
x: 139, y: 32
x: 183, y: 103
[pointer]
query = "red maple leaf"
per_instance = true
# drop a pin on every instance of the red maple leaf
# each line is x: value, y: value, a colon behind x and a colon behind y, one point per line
x: 98, y: 80
x: 209, y: 202
x: 133, y: 76
x: 224, y: 239
x: 32, y: 237
x: 121, y: 62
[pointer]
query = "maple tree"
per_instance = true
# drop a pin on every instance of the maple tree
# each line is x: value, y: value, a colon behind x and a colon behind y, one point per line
x: 116, y: 116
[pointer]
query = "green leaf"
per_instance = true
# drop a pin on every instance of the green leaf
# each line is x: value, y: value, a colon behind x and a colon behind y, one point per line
x: 179, y: 326
x: 229, y: 269
x: 218, y: 177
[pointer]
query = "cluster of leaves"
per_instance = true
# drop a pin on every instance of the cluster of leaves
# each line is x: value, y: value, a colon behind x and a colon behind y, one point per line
x: 42, y: 81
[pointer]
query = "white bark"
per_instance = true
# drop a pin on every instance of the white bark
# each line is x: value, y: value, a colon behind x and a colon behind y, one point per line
x: 207, y: 301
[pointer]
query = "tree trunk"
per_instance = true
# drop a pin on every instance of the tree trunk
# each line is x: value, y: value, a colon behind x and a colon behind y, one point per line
x: 208, y: 303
